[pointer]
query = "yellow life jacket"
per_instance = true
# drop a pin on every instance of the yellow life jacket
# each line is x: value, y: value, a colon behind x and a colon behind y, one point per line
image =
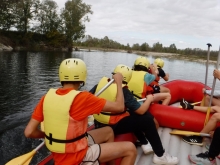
x: 110, y: 95
x: 63, y: 133
x: 137, y: 84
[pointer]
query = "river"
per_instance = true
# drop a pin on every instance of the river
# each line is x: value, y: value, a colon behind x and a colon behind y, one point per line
x: 26, y: 76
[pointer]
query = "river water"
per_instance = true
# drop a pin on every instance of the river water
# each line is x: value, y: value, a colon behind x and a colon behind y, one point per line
x: 26, y: 76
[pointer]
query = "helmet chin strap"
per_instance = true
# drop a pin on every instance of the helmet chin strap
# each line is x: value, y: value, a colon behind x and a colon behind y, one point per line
x: 81, y: 85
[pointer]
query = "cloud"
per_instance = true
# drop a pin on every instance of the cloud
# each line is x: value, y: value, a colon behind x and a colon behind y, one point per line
x: 133, y: 21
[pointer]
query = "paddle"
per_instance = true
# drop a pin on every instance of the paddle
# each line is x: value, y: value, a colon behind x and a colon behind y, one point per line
x: 179, y: 132
x: 26, y: 158
x: 213, y: 88
x: 206, y: 74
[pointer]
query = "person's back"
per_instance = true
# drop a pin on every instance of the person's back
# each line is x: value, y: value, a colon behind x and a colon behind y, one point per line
x: 141, y: 79
x: 65, y: 114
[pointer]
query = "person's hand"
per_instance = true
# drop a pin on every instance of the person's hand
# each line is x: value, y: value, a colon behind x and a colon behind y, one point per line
x: 154, y: 67
x: 118, y: 78
x: 211, y: 134
x: 150, y: 97
x: 203, y: 90
x: 216, y: 74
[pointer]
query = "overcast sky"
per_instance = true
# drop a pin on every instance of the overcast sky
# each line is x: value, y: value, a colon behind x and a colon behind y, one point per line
x: 186, y: 23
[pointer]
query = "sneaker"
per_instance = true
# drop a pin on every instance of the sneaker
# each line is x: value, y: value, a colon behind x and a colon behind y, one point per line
x: 185, y: 104
x: 207, y: 146
x: 197, y: 140
x: 202, y: 158
x: 165, y: 159
x: 147, y: 149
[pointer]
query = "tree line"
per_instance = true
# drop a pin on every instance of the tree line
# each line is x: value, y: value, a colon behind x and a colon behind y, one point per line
x: 41, y: 19
x: 107, y: 43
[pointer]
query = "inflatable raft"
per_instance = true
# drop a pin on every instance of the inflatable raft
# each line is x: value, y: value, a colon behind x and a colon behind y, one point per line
x: 172, y: 117
x: 176, y: 117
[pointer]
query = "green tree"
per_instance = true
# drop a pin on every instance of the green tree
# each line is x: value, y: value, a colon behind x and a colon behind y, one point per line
x: 136, y: 46
x: 25, y: 12
x: 145, y: 47
x: 74, y: 15
x: 7, y: 17
x: 172, y: 48
x: 157, y: 47
x: 48, y: 17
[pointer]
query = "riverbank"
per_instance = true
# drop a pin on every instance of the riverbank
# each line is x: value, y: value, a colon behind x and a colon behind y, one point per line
x: 194, y: 58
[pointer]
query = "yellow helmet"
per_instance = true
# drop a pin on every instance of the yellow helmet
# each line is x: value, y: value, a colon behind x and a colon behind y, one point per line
x: 159, y: 62
x: 143, y: 61
x: 125, y: 71
x: 73, y: 69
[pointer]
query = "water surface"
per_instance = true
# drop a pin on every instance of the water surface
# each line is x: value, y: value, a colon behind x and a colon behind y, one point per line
x: 26, y: 76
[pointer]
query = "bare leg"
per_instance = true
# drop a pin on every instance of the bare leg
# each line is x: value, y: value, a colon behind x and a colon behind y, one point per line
x: 204, y: 109
x: 164, y: 89
x: 210, y: 126
x: 165, y: 97
x: 111, y: 150
x: 114, y: 150
x: 215, y: 101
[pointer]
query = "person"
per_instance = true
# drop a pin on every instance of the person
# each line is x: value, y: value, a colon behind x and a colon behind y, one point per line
x: 161, y: 74
x: 139, y: 121
x: 209, y: 157
x: 141, y: 79
x: 208, y: 128
x: 211, y: 124
x: 215, y: 100
x: 64, y: 112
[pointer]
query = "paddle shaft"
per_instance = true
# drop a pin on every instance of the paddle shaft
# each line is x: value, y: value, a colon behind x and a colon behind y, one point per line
x: 207, y: 64
x: 213, y: 88
x: 104, y: 88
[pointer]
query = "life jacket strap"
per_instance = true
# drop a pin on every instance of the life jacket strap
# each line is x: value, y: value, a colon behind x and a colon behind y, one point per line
x: 51, y: 139
x: 113, y: 114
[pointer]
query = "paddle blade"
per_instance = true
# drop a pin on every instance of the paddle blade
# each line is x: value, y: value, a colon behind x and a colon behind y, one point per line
x: 23, y: 159
x: 179, y: 132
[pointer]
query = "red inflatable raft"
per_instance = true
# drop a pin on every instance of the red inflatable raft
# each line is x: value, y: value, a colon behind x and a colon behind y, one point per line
x: 176, y: 117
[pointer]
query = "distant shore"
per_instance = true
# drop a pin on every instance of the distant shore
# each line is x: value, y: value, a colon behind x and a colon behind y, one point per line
x: 155, y: 54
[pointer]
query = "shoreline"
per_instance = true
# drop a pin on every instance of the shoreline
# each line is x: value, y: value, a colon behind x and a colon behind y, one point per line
x: 154, y: 54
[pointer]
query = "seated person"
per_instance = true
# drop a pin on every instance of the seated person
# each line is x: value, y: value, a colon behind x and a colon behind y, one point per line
x: 159, y: 63
x: 65, y: 112
x: 139, y: 121
x: 141, y: 79
x: 211, y: 125
x: 208, y: 158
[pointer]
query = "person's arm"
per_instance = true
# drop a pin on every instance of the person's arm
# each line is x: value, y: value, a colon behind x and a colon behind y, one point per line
x: 118, y: 105
x: 145, y: 106
x: 166, y: 77
x: 32, y: 131
x: 154, y: 70
x: 216, y: 73
x: 133, y: 105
